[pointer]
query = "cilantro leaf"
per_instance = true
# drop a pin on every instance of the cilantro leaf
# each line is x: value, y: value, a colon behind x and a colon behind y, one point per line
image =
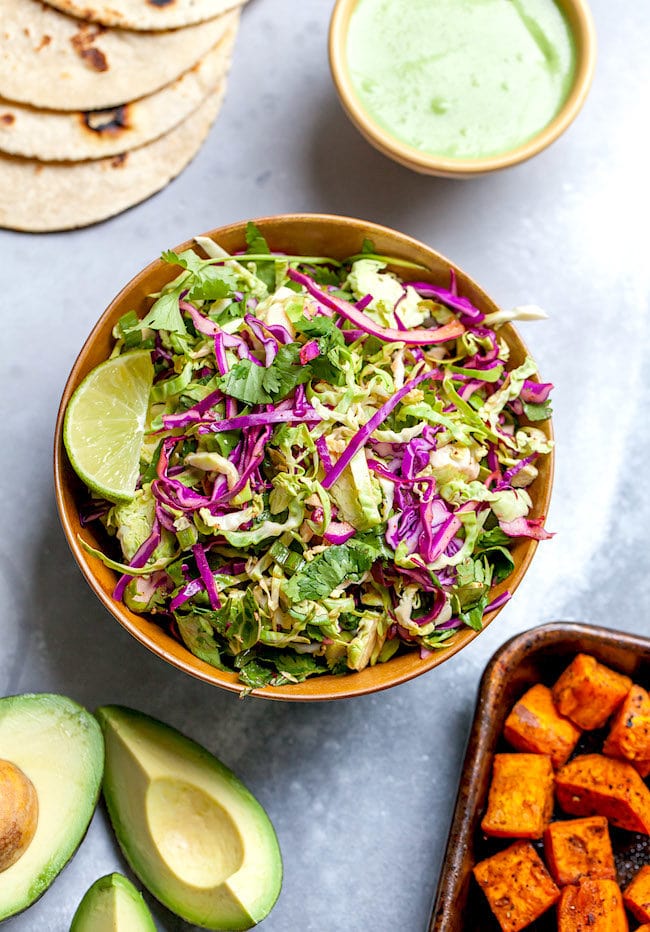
x: 286, y: 372
x: 325, y: 366
x: 212, y: 284
x: 297, y: 667
x: 329, y: 569
x: 323, y: 275
x: 254, y: 675
x: 206, y: 282
x: 187, y: 259
x: 321, y: 328
x: 374, y: 541
x: 258, y: 385
x: 165, y: 314
x: 257, y: 246
x: 245, y: 382
x: 255, y: 241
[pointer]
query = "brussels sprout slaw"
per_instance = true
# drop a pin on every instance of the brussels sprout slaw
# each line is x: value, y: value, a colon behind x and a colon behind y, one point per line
x: 335, y: 464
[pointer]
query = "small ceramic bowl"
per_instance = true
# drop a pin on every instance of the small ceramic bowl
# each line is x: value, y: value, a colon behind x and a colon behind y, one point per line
x: 580, y: 22
x: 306, y: 234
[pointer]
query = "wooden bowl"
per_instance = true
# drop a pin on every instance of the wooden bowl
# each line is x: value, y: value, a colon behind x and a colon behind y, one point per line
x: 537, y: 656
x: 305, y: 234
x: 582, y: 26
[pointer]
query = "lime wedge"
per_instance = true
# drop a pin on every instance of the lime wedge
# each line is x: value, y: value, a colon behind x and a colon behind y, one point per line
x: 105, y: 422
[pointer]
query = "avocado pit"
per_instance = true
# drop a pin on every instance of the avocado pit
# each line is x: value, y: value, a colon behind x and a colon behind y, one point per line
x: 18, y: 813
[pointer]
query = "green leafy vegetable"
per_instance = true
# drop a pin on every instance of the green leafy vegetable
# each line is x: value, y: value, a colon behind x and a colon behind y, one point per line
x: 165, y: 314
x: 324, y: 543
x: 329, y: 569
x: 256, y: 385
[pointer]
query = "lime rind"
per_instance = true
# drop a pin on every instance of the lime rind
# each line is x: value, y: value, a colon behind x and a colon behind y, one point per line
x: 105, y: 423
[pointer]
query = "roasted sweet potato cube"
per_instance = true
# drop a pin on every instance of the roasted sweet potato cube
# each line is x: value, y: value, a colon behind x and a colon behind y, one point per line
x: 535, y: 725
x: 594, y: 905
x: 520, y: 801
x: 579, y: 848
x: 589, y: 692
x: 629, y: 736
x: 642, y: 766
x: 636, y: 896
x: 592, y: 784
x: 518, y: 887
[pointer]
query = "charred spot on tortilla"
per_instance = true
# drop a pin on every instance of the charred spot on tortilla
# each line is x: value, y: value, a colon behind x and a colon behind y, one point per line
x: 119, y: 160
x: 161, y: 3
x: 7, y: 119
x: 45, y: 40
x: 106, y: 122
x: 94, y: 59
x: 82, y: 43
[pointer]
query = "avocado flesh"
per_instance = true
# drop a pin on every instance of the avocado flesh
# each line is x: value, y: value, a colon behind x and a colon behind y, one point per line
x: 190, y: 830
x: 112, y: 904
x: 59, y: 747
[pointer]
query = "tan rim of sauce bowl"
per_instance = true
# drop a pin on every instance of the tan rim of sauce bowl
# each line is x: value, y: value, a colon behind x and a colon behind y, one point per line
x: 581, y: 24
x: 304, y: 234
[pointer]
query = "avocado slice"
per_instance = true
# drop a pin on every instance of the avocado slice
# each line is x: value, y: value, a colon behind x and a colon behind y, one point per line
x: 112, y: 904
x: 58, y: 747
x: 191, y: 831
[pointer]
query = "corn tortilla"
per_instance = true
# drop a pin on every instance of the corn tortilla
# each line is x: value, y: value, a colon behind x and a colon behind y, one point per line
x: 52, y: 61
x: 145, y: 14
x: 56, y: 135
x: 46, y: 196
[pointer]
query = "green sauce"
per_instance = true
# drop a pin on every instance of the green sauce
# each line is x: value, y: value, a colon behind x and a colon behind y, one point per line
x: 462, y: 79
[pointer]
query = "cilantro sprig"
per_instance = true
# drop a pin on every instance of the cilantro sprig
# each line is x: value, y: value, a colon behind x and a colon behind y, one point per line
x: 259, y: 385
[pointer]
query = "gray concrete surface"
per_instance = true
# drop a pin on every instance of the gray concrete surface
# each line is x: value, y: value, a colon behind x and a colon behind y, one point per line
x: 361, y: 792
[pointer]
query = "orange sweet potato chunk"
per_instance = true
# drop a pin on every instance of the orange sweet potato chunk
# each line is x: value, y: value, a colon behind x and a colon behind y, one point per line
x: 637, y: 895
x: 595, y: 905
x: 518, y: 887
x: 579, y: 848
x: 520, y: 801
x: 535, y: 725
x: 589, y: 692
x: 592, y: 784
x: 644, y: 928
x: 629, y: 736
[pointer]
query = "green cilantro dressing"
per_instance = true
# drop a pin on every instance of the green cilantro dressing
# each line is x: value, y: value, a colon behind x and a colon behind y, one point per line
x: 461, y: 78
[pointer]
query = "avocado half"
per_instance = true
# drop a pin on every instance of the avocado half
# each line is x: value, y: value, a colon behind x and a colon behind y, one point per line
x: 195, y: 836
x: 58, y: 746
x: 112, y: 904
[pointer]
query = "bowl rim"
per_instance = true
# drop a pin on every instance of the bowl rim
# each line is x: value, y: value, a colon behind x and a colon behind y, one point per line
x: 581, y: 23
x: 152, y: 635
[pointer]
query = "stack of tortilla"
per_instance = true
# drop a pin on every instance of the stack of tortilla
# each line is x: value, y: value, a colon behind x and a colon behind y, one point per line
x: 103, y: 103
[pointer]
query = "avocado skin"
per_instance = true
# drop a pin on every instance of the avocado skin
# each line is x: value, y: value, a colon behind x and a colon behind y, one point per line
x: 85, y: 916
x: 121, y: 725
x: 92, y: 765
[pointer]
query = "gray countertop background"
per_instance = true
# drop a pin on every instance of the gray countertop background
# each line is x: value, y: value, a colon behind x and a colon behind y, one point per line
x: 360, y: 791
